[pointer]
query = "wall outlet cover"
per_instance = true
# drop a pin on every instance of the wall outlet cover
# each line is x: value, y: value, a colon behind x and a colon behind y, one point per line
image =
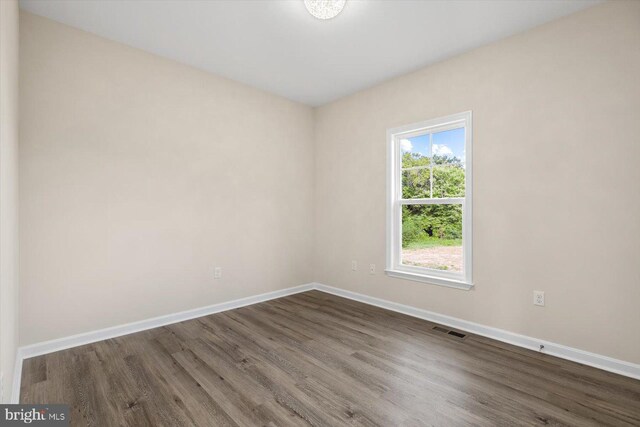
x: 538, y: 298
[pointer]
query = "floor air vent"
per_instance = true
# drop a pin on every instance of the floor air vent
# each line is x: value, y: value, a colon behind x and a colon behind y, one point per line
x: 448, y: 332
x: 457, y: 334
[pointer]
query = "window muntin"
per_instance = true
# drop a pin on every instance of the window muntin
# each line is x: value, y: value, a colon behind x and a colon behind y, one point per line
x: 429, y: 212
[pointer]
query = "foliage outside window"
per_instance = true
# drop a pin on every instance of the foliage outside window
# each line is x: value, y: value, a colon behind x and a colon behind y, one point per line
x: 429, y: 201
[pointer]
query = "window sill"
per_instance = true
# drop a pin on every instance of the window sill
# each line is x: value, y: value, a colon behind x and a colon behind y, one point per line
x: 440, y: 281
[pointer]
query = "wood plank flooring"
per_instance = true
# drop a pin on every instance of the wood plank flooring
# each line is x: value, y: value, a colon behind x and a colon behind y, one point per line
x: 317, y: 359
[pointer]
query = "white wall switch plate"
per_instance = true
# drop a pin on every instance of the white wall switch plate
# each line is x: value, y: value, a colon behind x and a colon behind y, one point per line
x: 217, y: 272
x: 354, y: 265
x: 538, y: 298
x: 372, y: 269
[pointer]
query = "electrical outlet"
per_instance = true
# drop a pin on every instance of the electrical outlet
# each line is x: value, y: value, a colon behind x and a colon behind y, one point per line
x: 354, y: 265
x: 372, y: 269
x: 538, y: 298
x: 217, y: 272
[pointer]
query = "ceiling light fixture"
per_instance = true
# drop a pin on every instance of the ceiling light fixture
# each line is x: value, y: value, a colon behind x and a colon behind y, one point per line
x: 324, y: 9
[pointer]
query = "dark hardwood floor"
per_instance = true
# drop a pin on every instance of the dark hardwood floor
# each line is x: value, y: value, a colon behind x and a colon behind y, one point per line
x: 317, y: 359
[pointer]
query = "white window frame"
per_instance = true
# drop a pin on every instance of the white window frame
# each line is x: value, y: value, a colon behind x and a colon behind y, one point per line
x: 394, y: 267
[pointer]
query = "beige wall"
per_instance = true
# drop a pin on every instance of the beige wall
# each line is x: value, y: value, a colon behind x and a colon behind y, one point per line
x: 139, y: 175
x: 556, y: 119
x: 8, y: 191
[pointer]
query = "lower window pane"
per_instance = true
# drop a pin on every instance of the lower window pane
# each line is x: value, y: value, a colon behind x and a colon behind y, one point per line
x: 432, y: 236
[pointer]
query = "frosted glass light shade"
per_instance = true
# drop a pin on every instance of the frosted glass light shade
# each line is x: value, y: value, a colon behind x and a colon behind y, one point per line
x: 324, y: 9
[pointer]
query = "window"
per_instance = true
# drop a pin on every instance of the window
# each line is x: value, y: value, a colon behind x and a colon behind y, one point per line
x: 429, y: 202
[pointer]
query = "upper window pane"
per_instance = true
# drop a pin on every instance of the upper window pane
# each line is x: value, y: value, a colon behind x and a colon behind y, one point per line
x: 433, y: 165
x: 416, y: 183
x: 416, y: 151
x: 448, y: 163
x: 448, y: 146
x: 448, y: 180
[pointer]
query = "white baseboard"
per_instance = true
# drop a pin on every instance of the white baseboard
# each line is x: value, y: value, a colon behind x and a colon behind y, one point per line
x: 45, y: 347
x: 596, y: 360
x: 17, y: 377
x: 558, y: 350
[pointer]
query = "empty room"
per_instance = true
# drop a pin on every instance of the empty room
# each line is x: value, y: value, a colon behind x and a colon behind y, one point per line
x: 319, y: 213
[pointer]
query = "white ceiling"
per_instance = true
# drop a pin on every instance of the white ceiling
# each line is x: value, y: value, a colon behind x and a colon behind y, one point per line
x: 279, y: 47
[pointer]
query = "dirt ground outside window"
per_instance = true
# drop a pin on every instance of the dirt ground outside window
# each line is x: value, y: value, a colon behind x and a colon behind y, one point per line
x: 447, y: 258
